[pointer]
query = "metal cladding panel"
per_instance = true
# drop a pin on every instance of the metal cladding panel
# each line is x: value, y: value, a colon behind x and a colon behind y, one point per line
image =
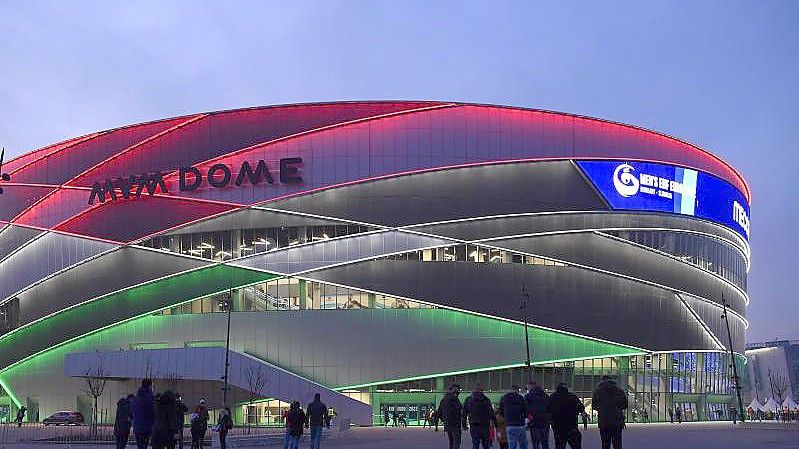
x: 221, y: 133
x: 564, y: 298
x: 711, y: 316
x: 251, y: 219
x: 337, y: 251
x: 501, y: 227
x: 340, y: 348
x: 451, y: 136
x: 60, y: 166
x: 42, y: 335
x: 606, y: 253
x: 13, y: 237
x: 17, y: 198
x: 125, y: 221
x: 106, y: 274
x: 57, y: 207
x: 453, y: 194
x: 18, y: 162
x: 43, y: 257
x: 208, y: 364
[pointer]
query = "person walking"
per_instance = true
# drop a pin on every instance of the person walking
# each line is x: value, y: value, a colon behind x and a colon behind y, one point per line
x: 199, y: 424
x: 734, y: 415
x: 538, y: 407
x: 122, y: 422
x: 609, y: 401
x: 165, y: 421
x: 20, y: 415
x: 671, y: 415
x: 449, y: 412
x: 502, y: 436
x: 295, y: 420
x: 479, y: 414
x: 386, y: 417
x: 678, y: 413
x: 315, y: 415
x: 223, y: 425
x: 564, y: 408
x: 514, y: 407
x: 143, y: 410
x: 181, y: 410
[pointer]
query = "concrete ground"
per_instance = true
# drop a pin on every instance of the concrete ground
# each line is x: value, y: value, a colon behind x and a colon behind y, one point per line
x: 720, y: 435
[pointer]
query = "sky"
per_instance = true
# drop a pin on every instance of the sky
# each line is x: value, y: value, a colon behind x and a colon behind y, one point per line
x: 723, y: 75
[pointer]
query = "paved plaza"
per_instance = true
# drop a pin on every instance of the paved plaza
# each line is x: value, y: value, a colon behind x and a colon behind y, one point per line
x: 721, y: 435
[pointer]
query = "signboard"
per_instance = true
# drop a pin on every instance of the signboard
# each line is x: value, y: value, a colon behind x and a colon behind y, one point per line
x: 666, y: 188
x: 218, y: 176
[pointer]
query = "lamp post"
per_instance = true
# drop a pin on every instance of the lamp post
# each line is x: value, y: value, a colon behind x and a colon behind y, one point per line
x: 525, y: 298
x: 735, y: 377
x: 227, y: 304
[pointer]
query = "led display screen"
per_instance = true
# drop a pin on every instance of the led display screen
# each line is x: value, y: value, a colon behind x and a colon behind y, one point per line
x: 666, y: 188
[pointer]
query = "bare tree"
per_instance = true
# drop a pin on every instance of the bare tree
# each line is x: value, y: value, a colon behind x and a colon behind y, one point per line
x: 256, y: 381
x: 96, y: 379
x: 778, y: 384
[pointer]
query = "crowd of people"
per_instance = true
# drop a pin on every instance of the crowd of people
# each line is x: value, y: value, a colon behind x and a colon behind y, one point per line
x: 315, y: 417
x: 783, y: 414
x: 157, y: 420
x: 535, y: 413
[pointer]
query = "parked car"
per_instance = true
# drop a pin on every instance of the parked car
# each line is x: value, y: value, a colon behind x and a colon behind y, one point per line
x: 63, y: 419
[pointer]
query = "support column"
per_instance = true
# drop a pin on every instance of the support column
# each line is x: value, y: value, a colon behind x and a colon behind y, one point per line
x: 303, y: 294
x: 371, y: 300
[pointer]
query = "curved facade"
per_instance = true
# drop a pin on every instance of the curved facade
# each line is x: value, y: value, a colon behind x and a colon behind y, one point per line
x: 376, y: 251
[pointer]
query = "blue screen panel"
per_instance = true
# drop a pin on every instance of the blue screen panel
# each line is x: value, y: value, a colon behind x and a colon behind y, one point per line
x: 666, y: 188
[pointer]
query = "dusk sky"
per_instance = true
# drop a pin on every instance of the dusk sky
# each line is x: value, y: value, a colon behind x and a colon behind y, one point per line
x: 723, y: 75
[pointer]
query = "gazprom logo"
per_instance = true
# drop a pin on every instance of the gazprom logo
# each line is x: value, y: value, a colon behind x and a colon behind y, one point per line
x: 625, y: 181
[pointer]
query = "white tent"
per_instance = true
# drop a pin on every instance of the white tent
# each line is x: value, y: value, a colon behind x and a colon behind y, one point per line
x: 755, y: 405
x: 772, y: 406
x: 788, y: 402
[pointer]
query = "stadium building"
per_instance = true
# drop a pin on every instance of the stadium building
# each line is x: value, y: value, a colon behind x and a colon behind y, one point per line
x: 374, y: 252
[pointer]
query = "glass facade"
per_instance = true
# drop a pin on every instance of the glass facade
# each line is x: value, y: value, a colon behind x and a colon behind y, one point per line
x: 699, y: 383
x: 705, y: 252
x: 230, y: 244
x: 473, y: 253
x: 290, y: 293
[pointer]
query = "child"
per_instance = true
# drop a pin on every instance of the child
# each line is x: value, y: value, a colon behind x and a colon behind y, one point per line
x: 502, y: 437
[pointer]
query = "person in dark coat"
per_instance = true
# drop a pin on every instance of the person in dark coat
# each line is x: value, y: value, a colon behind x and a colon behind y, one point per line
x: 565, y: 407
x: 610, y: 401
x: 450, y: 413
x: 20, y: 415
x: 199, y: 425
x: 538, y: 406
x: 295, y: 419
x: 143, y: 409
x: 181, y: 410
x: 122, y: 422
x: 514, y: 408
x: 224, y: 423
x: 165, y: 421
x: 479, y: 413
x: 315, y: 418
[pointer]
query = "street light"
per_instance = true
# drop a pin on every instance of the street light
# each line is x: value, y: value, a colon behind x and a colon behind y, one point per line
x: 735, y: 377
x: 525, y: 298
x: 226, y: 304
